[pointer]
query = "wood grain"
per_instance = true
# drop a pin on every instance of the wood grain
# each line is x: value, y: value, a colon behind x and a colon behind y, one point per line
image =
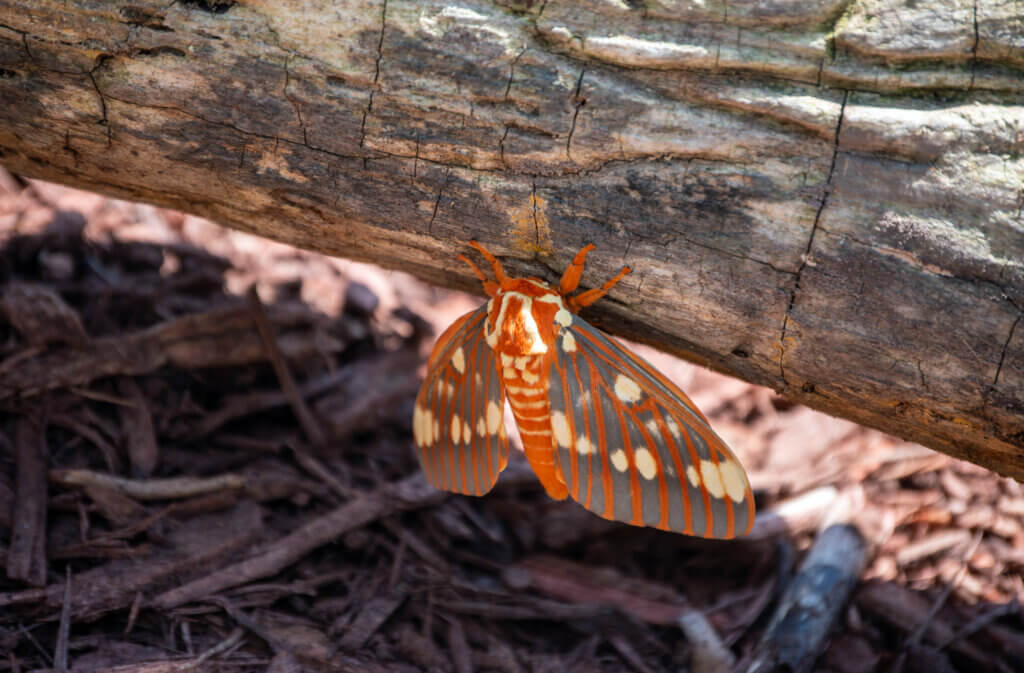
x: 822, y: 197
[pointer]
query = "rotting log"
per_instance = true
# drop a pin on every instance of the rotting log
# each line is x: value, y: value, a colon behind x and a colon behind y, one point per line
x: 822, y: 197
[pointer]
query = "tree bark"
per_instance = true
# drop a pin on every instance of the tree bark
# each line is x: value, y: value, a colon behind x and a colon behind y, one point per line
x: 823, y: 197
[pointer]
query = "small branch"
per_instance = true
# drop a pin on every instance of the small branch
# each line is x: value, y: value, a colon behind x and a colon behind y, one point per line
x: 26, y: 557
x: 412, y: 492
x: 284, y: 375
x: 149, y: 489
x: 808, y: 610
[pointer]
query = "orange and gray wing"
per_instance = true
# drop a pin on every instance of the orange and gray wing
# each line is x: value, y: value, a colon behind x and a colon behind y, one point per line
x: 458, y: 421
x: 632, y: 447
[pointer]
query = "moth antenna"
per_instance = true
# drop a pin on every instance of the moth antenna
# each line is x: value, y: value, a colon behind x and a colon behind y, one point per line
x: 490, y: 287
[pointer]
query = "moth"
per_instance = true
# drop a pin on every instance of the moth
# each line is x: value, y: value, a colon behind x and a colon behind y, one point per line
x: 597, y: 421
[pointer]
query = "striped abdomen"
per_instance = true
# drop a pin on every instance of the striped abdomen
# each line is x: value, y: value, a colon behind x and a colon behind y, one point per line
x: 526, y: 386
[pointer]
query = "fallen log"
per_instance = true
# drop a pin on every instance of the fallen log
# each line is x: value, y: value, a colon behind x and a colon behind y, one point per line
x: 813, y: 198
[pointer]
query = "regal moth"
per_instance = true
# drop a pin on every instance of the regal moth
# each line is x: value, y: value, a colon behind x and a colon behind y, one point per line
x: 597, y: 421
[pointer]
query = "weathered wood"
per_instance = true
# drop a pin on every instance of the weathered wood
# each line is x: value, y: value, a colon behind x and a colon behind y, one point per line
x: 823, y: 197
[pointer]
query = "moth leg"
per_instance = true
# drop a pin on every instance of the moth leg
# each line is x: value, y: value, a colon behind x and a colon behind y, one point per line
x: 571, y: 277
x: 590, y: 296
x: 499, y: 272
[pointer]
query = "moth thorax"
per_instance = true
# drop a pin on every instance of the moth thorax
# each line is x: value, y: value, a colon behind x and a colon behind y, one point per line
x: 519, y: 324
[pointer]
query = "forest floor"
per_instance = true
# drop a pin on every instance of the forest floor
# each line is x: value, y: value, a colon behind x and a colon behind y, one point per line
x: 206, y: 463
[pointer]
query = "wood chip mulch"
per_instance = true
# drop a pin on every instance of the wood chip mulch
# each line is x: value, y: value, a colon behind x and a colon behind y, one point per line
x: 206, y: 464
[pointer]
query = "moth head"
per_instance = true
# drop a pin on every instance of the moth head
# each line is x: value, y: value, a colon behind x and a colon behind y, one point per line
x: 522, y: 317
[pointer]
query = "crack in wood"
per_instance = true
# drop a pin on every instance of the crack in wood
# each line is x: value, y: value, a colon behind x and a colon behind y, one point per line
x: 1006, y: 346
x: 100, y: 60
x: 536, y: 225
x: 437, y: 201
x: 577, y: 104
x: 376, y: 74
x: 512, y: 71
x: 810, y: 241
x: 295, y: 103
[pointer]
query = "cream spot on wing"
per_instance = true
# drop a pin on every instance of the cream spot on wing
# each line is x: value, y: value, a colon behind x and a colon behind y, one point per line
x: 481, y: 426
x: 439, y: 387
x: 563, y: 317
x: 652, y: 426
x: 521, y: 362
x: 477, y: 379
x: 417, y: 425
x: 712, y: 478
x: 424, y: 427
x: 734, y: 479
x: 508, y: 373
x: 459, y: 360
x: 645, y: 463
x: 691, y: 474
x: 530, y: 377
x: 467, y: 433
x: 673, y: 428
x: 493, y: 417
x: 627, y: 390
x: 560, y: 426
x: 584, y: 446
x: 619, y: 460
x: 456, y: 428
x: 506, y: 360
x: 436, y: 434
x: 568, y: 342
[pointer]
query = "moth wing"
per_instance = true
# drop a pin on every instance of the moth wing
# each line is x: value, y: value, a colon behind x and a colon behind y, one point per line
x: 458, y: 423
x: 632, y: 447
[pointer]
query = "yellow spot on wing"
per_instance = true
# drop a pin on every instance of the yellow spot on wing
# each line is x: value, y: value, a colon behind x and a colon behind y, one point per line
x: 645, y: 463
x: 417, y: 425
x: 627, y: 390
x: 568, y: 342
x: 560, y: 426
x: 456, y: 428
x: 481, y: 426
x: 459, y: 360
x: 619, y: 460
x: 691, y: 474
x: 584, y: 446
x: 712, y: 478
x: 493, y: 417
x: 734, y: 479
